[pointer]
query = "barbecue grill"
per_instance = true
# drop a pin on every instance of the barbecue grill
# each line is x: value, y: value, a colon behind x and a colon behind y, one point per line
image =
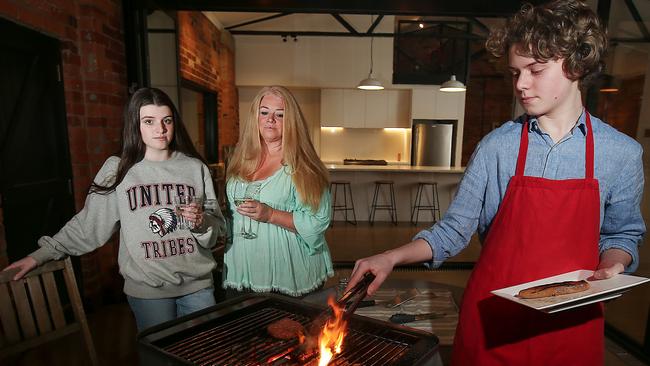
x: 234, y: 333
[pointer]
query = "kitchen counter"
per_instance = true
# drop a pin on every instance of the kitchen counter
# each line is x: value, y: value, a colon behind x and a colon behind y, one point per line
x: 406, y: 178
x: 394, y: 168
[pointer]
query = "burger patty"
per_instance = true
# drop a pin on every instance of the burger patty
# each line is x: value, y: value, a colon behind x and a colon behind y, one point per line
x: 285, y: 328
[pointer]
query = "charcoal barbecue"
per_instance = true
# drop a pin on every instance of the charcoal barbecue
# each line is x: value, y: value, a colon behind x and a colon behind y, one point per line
x: 234, y: 333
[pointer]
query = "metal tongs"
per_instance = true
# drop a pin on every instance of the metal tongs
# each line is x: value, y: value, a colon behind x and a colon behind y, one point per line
x: 350, y: 299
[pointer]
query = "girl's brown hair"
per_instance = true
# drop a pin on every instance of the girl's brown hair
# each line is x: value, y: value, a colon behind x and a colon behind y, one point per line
x: 561, y: 29
x: 133, y: 148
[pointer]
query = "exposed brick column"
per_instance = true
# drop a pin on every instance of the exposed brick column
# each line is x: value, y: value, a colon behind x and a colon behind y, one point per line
x: 206, y: 61
x: 94, y: 74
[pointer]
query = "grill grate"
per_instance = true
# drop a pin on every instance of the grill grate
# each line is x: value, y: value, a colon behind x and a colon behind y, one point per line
x: 238, y: 336
x: 243, y: 341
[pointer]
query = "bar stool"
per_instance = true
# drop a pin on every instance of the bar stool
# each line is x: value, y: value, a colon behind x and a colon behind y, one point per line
x: 347, y: 192
x: 433, y: 204
x: 390, y: 206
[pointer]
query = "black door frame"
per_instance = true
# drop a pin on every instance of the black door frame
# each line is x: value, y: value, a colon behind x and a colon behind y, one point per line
x: 210, y: 119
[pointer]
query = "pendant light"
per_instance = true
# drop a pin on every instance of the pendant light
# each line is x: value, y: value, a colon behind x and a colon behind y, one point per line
x: 370, y: 83
x: 452, y: 85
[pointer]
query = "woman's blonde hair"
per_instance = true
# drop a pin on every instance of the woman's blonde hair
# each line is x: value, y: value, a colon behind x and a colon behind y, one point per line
x: 308, y: 172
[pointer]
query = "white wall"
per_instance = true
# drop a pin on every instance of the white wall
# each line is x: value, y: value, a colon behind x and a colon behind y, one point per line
x: 338, y: 62
x: 332, y: 62
x: 335, y: 62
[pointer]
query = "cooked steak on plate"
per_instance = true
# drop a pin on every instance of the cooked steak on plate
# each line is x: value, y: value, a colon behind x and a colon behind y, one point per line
x: 553, y: 289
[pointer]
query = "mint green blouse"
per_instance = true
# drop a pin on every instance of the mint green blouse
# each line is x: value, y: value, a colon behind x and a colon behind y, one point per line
x: 278, y: 259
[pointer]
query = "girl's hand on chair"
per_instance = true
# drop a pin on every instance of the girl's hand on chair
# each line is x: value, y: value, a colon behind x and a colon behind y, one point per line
x: 23, y: 265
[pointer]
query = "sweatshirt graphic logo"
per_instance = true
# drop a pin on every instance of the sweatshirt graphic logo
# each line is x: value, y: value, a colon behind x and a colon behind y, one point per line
x: 163, y: 221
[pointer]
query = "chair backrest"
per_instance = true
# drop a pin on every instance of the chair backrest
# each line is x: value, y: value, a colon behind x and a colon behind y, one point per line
x: 31, y: 311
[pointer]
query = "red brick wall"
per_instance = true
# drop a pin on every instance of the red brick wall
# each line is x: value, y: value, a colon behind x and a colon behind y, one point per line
x: 206, y: 61
x: 94, y: 73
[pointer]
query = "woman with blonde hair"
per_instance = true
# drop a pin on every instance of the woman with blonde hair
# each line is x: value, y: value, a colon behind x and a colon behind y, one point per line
x: 284, y: 248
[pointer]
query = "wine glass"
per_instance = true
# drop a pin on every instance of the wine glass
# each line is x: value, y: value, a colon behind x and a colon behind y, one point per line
x: 181, y: 202
x: 239, y: 190
x: 252, y: 192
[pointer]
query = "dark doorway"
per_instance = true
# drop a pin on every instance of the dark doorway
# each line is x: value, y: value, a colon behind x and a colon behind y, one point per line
x: 199, y: 111
x: 35, y: 170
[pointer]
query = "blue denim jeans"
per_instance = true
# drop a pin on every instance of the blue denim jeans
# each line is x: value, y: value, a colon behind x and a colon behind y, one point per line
x: 149, y: 312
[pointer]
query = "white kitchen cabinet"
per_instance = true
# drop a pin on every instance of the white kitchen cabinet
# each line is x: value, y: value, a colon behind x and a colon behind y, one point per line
x: 423, y: 103
x: 399, y: 108
x: 376, y: 109
x: 354, y: 108
x: 430, y: 103
x: 448, y: 104
x: 331, y: 107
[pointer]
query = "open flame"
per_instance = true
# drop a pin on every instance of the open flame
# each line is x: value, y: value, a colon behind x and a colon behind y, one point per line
x: 334, y: 331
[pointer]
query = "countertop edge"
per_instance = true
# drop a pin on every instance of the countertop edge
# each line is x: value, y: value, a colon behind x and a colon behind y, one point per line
x: 394, y: 168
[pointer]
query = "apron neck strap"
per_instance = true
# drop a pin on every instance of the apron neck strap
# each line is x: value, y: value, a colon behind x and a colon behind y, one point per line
x: 589, y: 149
x: 523, y: 150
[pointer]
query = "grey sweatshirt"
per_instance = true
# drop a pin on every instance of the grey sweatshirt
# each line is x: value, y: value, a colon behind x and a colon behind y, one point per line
x: 156, y: 259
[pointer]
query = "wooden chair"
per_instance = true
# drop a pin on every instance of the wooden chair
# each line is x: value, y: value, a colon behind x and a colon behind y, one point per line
x: 31, y: 312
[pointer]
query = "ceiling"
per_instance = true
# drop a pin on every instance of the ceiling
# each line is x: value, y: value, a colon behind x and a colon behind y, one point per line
x: 379, y: 7
x: 628, y: 20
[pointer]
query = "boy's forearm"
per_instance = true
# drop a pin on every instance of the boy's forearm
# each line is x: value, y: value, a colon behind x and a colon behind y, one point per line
x: 416, y: 251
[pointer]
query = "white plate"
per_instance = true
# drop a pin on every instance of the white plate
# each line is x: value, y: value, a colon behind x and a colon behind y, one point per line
x: 599, y: 290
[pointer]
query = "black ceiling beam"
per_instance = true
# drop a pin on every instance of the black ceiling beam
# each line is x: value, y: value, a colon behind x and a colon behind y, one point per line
x: 345, y: 24
x: 308, y: 34
x: 637, y: 18
x: 480, y: 24
x: 274, y: 16
x: 374, y: 24
x: 347, y: 34
x: 477, y: 8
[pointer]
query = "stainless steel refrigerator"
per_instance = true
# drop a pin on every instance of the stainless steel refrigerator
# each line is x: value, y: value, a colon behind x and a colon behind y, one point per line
x: 433, y: 142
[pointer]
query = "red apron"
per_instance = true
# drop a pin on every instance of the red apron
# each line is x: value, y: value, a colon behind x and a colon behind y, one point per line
x: 543, y: 228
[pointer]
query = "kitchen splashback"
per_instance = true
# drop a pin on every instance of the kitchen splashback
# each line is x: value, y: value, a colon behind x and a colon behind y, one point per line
x: 365, y: 143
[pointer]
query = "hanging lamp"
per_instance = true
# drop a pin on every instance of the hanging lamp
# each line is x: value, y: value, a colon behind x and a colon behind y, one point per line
x: 452, y: 85
x: 370, y: 83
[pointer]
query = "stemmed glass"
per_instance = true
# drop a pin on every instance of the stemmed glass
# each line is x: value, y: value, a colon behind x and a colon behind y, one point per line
x: 181, y: 203
x: 242, y: 193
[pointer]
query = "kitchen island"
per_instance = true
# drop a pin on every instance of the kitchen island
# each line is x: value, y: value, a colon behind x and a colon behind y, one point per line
x: 406, y: 178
